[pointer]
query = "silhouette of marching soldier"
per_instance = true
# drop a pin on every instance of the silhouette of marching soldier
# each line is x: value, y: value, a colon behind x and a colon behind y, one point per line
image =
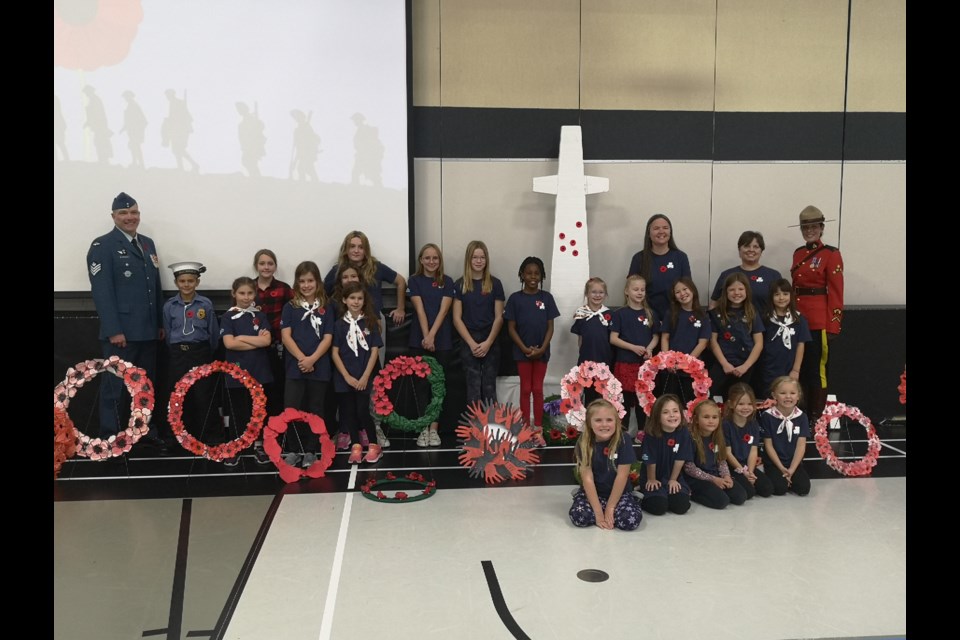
x: 368, y: 152
x: 176, y: 129
x: 306, y: 147
x: 253, y: 144
x: 97, y: 123
x: 134, y: 124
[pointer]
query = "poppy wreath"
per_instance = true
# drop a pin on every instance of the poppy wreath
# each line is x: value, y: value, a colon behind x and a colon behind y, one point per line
x: 588, y: 375
x: 862, y: 467
x: 141, y: 406
x: 227, y: 450
x: 372, y: 488
x: 64, y: 440
x: 399, y: 367
x: 902, y: 388
x: 497, y: 444
x: 277, y: 426
x: 673, y: 361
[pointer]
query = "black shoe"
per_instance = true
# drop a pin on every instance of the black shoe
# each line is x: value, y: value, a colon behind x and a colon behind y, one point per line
x: 260, y: 455
x: 231, y: 462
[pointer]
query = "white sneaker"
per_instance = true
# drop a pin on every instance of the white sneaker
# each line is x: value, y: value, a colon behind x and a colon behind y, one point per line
x: 381, y: 438
x: 423, y: 440
x: 433, y: 438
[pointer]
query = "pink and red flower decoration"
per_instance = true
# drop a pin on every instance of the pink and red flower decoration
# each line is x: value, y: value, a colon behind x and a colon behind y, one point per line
x: 902, y: 388
x: 368, y: 487
x: 228, y: 450
x: 672, y: 361
x: 862, y: 467
x: 589, y: 374
x: 421, y: 367
x: 141, y: 408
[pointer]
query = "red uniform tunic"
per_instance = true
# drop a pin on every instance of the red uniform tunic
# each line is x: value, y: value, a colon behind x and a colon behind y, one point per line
x: 818, y: 285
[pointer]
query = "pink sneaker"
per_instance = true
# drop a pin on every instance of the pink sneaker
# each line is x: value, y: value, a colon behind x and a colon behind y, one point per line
x: 538, y: 440
x: 356, y: 454
x: 374, y: 453
x: 343, y: 441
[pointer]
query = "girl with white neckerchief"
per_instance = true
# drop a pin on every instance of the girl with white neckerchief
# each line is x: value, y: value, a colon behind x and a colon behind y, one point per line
x: 785, y: 332
x: 306, y: 328
x: 785, y: 430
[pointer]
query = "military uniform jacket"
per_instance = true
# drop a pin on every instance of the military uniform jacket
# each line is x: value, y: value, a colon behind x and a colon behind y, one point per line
x: 126, y: 286
x: 818, y: 268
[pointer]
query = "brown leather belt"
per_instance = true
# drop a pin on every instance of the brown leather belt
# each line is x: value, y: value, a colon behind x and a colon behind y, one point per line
x: 804, y: 291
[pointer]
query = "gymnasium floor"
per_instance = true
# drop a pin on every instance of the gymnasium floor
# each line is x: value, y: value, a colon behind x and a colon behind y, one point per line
x: 180, y: 547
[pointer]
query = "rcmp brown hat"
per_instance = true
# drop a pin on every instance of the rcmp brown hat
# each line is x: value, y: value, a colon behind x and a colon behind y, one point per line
x: 811, y: 215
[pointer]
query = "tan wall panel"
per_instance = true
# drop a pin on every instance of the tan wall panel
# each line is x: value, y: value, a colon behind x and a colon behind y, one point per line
x: 768, y: 198
x: 780, y: 55
x: 504, y: 53
x: 878, y: 56
x: 425, y: 32
x: 656, y: 55
x: 873, y: 233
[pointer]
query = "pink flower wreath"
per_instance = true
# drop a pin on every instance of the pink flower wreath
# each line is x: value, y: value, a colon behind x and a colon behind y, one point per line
x: 584, y: 376
x: 141, y: 407
x: 902, y: 388
x: 226, y: 450
x: 675, y: 361
x: 862, y: 467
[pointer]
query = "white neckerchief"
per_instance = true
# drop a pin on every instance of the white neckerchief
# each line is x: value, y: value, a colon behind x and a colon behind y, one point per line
x: 785, y: 330
x: 355, y: 334
x: 309, y: 309
x: 584, y: 313
x: 252, y: 310
x: 786, y: 422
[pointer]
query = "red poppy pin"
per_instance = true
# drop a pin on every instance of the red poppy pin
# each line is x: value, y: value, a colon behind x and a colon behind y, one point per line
x: 606, y: 316
x: 713, y: 447
x: 606, y: 451
x: 663, y: 269
x: 671, y: 442
x: 321, y: 310
x: 727, y: 335
x: 748, y: 438
x: 434, y: 284
x: 540, y: 304
x: 189, y: 314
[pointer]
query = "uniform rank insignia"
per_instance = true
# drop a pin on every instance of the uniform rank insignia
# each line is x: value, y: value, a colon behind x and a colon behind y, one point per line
x: 122, y: 252
x: 95, y: 268
x: 201, y: 314
x: 815, y: 262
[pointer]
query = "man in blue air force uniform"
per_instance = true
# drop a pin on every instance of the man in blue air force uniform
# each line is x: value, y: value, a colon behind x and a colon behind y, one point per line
x: 124, y: 273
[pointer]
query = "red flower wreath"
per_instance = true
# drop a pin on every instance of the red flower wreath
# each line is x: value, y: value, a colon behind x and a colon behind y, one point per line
x: 675, y: 361
x: 228, y: 449
x: 277, y: 425
x: 64, y: 441
x: 862, y: 467
x: 367, y: 488
x: 903, y: 386
x: 422, y: 367
x: 496, y: 442
x: 583, y: 376
x: 138, y: 385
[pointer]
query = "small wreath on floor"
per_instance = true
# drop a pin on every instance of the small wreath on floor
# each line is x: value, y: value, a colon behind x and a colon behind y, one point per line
x: 862, y: 467
x: 64, y: 439
x: 496, y: 443
x: 902, y: 387
x: 227, y: 450
x: 372, y: 488
x: 674, y: 361
x: 588, y: 375
x: 401, y: 366
x: 141, y: 406
x: 278, y: 425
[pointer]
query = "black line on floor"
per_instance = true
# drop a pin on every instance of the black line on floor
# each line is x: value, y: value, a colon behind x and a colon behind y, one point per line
x: 499, y: 603
x: 200, y: 634
x: 231, y: 604
x: 153, y: 632
x: 180, y: 572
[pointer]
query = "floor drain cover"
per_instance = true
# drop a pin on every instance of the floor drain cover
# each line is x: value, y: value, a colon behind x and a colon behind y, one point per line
x: 593, y: 575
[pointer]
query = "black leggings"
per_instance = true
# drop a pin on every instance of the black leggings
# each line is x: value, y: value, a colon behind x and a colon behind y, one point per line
x: 710, y: 495
x: 800, y: 483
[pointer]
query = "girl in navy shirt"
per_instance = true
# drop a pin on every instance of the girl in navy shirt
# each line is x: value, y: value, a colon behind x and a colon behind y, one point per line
x: 356, y: 345
x: 785, y: 430
x: 603, y: 456
x: 247, y: 337
x: 742, y: 435
x: 355, y: 252
x: 633, y: 333
x: 710, y: 481
x: 478, y: 318
x: 685, y: 329
x: 431, y: 293
x: 591, y: 324
x: 306, y: 327
x: 666, y: 447
x: 783, y: 341
x: 737, y: 335
x: 529, y: 314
